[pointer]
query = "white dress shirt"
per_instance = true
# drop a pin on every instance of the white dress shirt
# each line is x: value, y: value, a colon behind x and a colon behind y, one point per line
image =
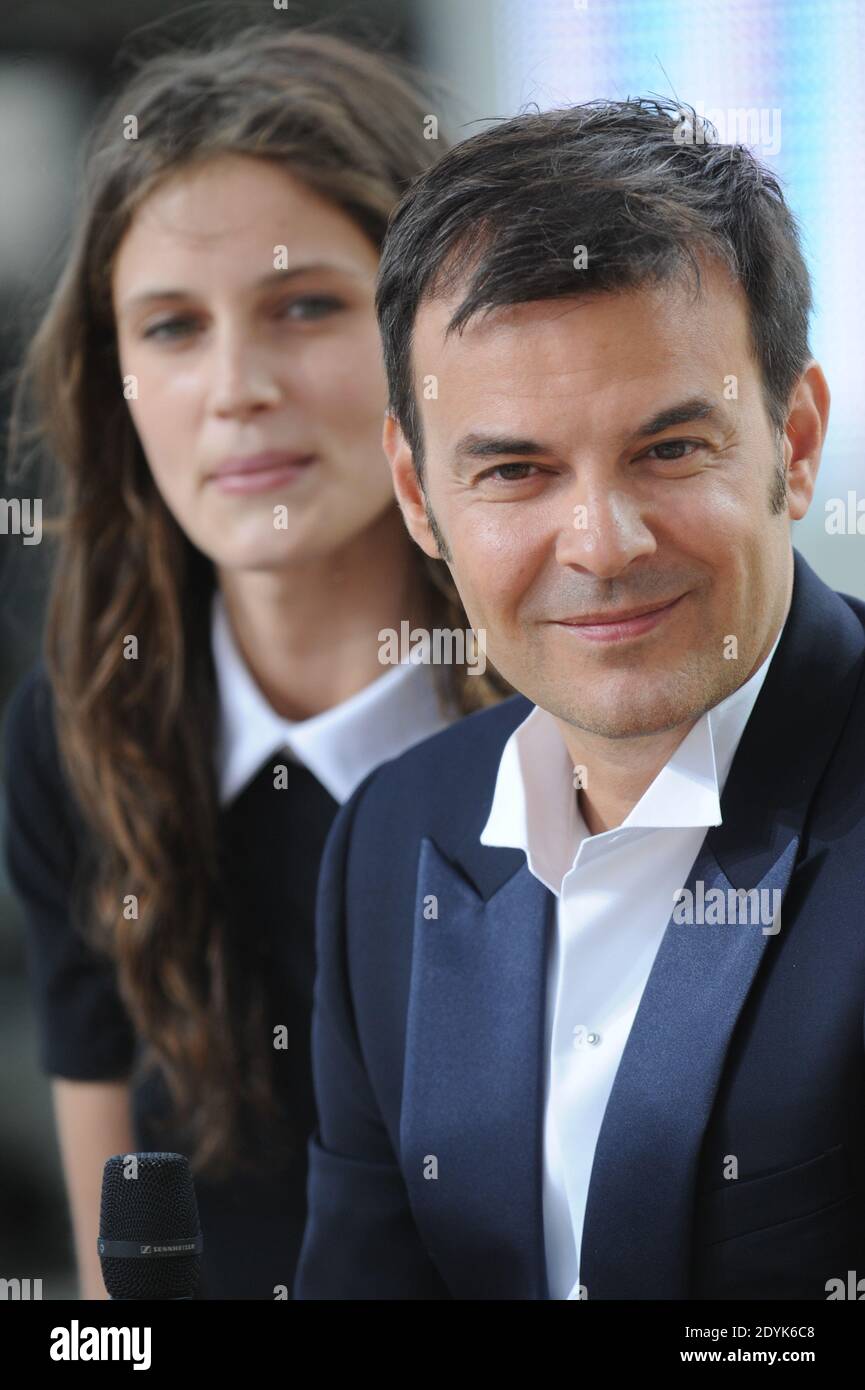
x: 340, y: 745
x: 615, y: 893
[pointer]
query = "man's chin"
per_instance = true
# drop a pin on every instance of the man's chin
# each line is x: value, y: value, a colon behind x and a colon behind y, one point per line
x: 629, y: 727
x: 629, y: 716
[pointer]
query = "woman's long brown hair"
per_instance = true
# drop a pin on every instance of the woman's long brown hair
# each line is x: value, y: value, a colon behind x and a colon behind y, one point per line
x: 137, y: 737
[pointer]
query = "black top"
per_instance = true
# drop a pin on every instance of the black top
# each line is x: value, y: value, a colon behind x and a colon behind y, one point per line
x: 273, y: 838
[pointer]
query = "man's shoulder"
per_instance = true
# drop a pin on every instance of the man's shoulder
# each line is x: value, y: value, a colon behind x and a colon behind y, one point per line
x: 441, y: 785
x: 470, y: 747
x: 856, y: 604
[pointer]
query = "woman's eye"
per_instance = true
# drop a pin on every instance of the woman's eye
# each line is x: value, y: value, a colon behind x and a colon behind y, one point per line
x: 310, y: 306
x: 170, y: 328
x: 304, y: 309
x: 677, y: 446
x: 517, y: 476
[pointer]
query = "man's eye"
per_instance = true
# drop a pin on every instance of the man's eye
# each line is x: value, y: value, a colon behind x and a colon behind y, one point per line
x: 676, y: 445
x: 310, y: 306
x: 517, y: 476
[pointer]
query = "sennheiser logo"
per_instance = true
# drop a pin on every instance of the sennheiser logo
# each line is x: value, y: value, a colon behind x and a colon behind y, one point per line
x: 75, y: 1343
x: 167, y: 1249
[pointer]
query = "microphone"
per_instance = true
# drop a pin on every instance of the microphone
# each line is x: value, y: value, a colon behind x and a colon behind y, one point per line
x: 150, y: 1239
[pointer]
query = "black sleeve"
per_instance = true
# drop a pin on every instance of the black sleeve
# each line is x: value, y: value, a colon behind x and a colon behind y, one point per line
x: 84, y: 1029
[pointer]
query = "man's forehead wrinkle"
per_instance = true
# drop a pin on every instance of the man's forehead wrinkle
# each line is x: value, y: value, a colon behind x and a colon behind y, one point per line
x: 626, y: 361
x: 653, y: 414
x: 686, y: 363
x: 487, y: 329
x: 544, y: 386
x: 542, y: 382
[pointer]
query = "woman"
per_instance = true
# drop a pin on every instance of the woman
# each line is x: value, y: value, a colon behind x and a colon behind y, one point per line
x: 208, y: 375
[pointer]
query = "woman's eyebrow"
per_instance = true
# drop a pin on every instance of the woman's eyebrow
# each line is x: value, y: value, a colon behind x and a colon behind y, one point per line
x: 273, y: 277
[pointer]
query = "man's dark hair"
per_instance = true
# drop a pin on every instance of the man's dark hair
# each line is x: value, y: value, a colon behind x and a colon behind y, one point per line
x: 642, y: 184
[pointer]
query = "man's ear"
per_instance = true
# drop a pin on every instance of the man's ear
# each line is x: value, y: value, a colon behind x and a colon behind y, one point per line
x: 803, y: 439
x: 406, y: 486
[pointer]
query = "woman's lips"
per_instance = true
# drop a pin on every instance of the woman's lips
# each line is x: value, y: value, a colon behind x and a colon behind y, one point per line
x: 259, y: 472
x: 625, y: 628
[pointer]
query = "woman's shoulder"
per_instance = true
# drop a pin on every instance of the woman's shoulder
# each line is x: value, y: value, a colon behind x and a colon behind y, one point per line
x: 44, y: 830
x: 83, y: 1028
x: 31, y: 759
x: 32, y: 697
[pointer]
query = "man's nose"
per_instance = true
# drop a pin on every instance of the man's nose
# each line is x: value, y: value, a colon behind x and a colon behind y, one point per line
x: 604, y: 530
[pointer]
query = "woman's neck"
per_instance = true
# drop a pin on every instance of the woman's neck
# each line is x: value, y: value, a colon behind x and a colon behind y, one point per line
x: 309, y: 632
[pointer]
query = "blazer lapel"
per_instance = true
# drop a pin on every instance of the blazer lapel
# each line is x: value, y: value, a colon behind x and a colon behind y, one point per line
x: 636, y: 1236
x: 471, y: 1124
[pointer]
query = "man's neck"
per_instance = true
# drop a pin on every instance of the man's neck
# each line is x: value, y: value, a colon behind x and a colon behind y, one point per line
x: 621, y: 771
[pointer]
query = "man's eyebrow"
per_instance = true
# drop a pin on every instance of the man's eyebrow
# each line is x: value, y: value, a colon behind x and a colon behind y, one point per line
x: 273, y: 277
x: 478, y: 445
x: 695, y: 408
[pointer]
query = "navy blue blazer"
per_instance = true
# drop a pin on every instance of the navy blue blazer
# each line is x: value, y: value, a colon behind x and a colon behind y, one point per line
x: 425, y: 1169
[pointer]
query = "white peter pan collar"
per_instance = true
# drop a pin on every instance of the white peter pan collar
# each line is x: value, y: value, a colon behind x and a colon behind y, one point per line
x: 340, y: 745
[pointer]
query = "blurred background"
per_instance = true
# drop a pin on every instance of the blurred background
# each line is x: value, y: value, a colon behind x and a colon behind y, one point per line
x: 784, y: 76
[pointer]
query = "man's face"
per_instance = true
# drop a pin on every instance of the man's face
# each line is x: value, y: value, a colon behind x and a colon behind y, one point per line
x: 561, y: 495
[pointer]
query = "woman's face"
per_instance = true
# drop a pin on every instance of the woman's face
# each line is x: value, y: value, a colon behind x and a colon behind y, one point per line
x: 249, y: 348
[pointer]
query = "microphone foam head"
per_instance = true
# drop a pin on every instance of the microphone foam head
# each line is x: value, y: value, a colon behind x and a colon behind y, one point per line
x: 149, y: 1199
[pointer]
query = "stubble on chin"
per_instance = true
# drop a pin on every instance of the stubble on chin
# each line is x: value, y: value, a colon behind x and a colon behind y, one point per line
x: 639, y: 704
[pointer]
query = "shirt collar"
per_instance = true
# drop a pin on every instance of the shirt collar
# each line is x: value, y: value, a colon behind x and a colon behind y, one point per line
x: 535, y: 807
x: 340, y: 745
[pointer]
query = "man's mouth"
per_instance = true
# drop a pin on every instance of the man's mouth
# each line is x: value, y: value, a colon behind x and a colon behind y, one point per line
x: 616, y: 625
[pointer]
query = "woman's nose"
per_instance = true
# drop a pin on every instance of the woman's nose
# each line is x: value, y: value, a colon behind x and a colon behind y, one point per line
x: 243, y: 379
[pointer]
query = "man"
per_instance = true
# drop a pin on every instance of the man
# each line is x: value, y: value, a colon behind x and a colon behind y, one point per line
x: 588, y: 1020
